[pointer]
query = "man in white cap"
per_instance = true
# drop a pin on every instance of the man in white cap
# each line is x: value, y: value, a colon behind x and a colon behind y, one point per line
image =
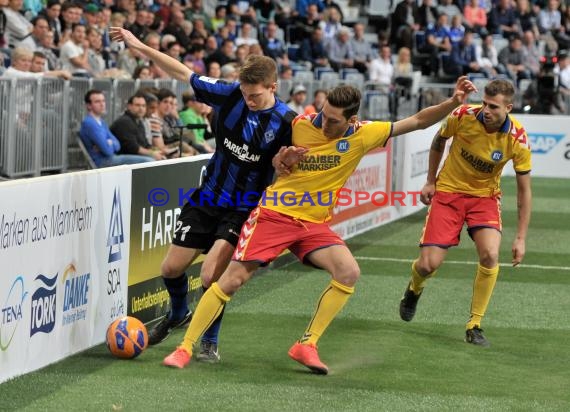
x: 298, y: 99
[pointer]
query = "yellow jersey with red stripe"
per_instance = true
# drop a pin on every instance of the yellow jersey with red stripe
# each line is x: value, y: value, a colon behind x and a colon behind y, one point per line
x: 311, y: 190
x: 477, y: 157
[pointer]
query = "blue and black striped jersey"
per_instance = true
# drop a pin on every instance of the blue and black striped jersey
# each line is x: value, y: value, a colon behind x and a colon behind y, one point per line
x: 246, y: 141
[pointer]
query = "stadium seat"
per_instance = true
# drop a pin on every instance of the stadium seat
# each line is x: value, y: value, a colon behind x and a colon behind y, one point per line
x: 90, y: 163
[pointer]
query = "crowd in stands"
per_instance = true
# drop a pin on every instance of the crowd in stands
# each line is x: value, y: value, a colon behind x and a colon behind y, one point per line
x: 444, y: 38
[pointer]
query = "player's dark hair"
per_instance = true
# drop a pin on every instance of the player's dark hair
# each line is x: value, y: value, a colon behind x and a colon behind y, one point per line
x: 347, y: 98
x: 501, y: 86
x: 258, y: 69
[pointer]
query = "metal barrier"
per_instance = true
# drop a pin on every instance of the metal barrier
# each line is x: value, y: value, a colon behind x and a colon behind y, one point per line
x: 38, y: 116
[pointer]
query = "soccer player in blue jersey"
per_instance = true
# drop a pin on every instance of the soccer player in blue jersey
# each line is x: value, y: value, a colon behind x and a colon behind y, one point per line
x: 251, y: 126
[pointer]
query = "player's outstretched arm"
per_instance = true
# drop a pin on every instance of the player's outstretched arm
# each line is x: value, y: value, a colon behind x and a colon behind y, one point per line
x: 433, y: 114
x: 524, y: 200
x: 170, y: 65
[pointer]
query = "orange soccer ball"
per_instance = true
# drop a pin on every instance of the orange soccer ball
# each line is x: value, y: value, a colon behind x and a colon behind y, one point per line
x: 127, y: 337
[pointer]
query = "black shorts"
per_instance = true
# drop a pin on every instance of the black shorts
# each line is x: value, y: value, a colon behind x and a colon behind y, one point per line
x: 198, y: 227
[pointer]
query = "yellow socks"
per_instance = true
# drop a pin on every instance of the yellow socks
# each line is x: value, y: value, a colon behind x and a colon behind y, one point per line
x: 482, y: 290
x: 209, y: 308
x: 330, y: 303
x: 418, y: 281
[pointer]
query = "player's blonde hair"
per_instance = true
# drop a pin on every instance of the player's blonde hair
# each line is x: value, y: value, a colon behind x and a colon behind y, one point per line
x: 258, y: 70
x: 502, y: 87
x: 346, y: 98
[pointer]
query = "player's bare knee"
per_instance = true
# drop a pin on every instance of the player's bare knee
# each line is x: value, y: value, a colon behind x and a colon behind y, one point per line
x: 347, y: 275
x: 426, y: 265
x: 170, y: 270
x: 489, y: 258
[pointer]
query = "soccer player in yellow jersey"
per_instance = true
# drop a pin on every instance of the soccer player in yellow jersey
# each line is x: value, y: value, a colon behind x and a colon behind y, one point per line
x: 467, y: 190
x: 293, y: 212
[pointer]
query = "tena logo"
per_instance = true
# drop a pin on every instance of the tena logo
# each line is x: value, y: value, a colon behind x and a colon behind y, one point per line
x: 12, y: 312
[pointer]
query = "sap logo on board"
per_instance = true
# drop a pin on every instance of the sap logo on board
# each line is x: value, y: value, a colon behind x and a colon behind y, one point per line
x: 115, y: 234
x: 43, y: 305
x: 76, y: 294
x: 542, y: 143
x: 12, y: 313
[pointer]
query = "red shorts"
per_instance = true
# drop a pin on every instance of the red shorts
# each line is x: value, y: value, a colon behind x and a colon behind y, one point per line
x: 449, y: 211
x: 267, y: 233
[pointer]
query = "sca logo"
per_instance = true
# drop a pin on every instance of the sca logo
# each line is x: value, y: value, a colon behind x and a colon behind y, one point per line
x: 43, y: 305
x: 76, y: 294
x: 342, y: 146
x: 115, y: 235
x: 542, y: 143
x: 12, y: 312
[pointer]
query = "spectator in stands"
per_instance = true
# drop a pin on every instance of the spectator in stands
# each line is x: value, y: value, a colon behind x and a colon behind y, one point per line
x: 331, y: 24
x: 92, y: 15
x: 175, y: 28
x: 340, y: 51
x: 194, y: 113
x: 195, y: 58
x: 502, y: 19
x: 39, y: 63
x: 174, y: 50
x: 255, y: 49
x: 403, y: 67
x: 168, y: 114
x: 487, y: 55
x: 140, y: 27
x: 214, y: 70
x: 456, y: 30
x: 319, y: 98
x: 71, y: 14
x: 272, y: 46
x: 211, y: 45
x: 361, y: 49
x: 531, y: 53
x: 95, y: 58
x: 246, y: 35
x: 305, y: 25
x: 18, y: 29
x: 526, y: 18
x: 427, y: 14
x: 101, y: 144
x: 199, y: 33
x: 297, y: 99
x: 142, y: 72
x: 381, y: 70
x: 475, y: 17
x: 449, y: 8
x: 404, y: 24
x: 512, y: 61
x: 463, y: 58
x: 242, y: 10
x: 219, y: 18
x: 437, y: 41
x: 225, y: 54
x: 229, y: 72
x: 74, y: 53
x: 313, y: 51
x: 550, y: 22
x: 286, y: 73
x: 130, y: 131
x: 40, y: 27
x: 197, y: 11
x: 564, y: 72
x: 301, y: 7
x: 47, y: 48
x: 52, y: 13
x: 21, y: 64
x: 265, y: 11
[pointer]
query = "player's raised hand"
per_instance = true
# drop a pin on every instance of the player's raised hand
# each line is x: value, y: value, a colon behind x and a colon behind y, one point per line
x: 120, y: 34
x: 427, y: 193
x: 463, y: 88
x: 286, y: 158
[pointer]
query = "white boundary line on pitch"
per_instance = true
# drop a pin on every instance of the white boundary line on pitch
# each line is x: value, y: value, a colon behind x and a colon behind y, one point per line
x: 464, y: 262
